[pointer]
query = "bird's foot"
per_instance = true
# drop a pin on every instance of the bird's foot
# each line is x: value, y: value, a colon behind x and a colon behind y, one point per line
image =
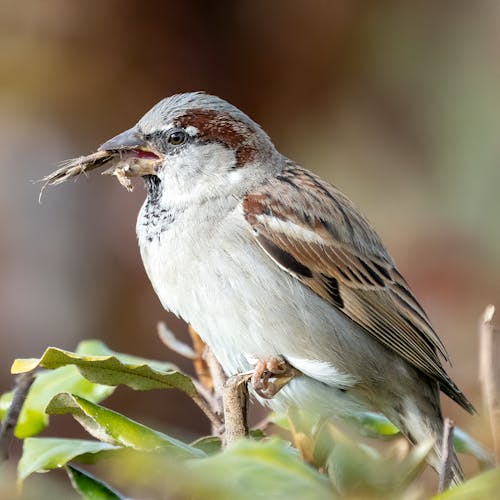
x: 270, y: 375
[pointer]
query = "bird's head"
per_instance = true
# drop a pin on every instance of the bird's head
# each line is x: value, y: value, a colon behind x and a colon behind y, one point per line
x: 207, y: 147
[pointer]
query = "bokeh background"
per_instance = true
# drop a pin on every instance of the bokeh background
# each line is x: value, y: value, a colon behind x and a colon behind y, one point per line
x: 395, y: 102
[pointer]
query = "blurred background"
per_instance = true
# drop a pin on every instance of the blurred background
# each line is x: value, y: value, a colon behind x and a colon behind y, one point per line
x: 395, y: 102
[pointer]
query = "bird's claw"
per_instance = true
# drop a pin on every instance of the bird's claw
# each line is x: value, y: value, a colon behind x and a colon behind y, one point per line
x: 270, y: 375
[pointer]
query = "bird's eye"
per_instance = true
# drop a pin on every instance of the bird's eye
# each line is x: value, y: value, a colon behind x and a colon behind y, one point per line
x: 177, y: 137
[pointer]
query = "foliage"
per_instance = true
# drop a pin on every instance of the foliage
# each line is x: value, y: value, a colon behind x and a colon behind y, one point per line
x: 309, y: 460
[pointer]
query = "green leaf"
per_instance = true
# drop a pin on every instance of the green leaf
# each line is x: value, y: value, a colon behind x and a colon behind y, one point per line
x: 376, y: 424
x: 360, y: 471
x: 114, y: 428
x: 137, y: 373
x: 43, y: 454
x: 47, y: 384
x: 466, y: 444
x: 481, y: 487
x: 280, y: 419
x: 208, y: 444
x: 259, y: 469
x: 89, y: 487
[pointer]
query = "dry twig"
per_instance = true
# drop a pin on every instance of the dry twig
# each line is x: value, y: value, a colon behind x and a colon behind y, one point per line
x: 487, y: 375
x: 23, y: 384
x: 173, y: 343
x: 446, y: 460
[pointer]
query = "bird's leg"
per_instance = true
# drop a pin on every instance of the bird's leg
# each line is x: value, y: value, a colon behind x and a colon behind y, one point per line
x: 271, y: 374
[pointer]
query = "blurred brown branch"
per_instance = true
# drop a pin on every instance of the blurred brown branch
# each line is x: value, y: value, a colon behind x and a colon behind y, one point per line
x: 224, y: 401
x: 21, y: 390
x: 204, y: 385
x: 487, y: 375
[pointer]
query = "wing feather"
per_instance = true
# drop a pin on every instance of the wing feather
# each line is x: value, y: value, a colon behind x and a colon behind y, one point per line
x: 316, y: 234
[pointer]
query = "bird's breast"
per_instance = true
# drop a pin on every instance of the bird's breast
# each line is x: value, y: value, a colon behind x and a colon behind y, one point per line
x: 212, y: 273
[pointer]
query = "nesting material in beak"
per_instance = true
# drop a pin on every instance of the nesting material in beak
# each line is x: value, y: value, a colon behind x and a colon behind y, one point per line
x: 124, y: 164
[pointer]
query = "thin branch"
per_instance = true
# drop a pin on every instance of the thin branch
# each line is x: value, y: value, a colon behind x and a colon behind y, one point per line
x: 487, y: 376
x: 22, y: 387
x: 204, y: 399
x: 218, y: 380
x: 215, y: 420
x: 211, y: 378
x: 446, y: 459
x: 235, y: 400
x: 205, y: 393
x: 173, y: 343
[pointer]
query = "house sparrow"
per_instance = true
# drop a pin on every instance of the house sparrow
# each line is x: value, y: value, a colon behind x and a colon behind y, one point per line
x: 276, y: 269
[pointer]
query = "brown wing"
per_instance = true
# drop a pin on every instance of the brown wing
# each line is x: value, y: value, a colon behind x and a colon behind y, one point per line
x: 315, y: 233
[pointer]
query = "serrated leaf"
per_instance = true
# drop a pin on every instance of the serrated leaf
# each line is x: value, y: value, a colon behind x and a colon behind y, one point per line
x: 114, y: 428
x: 47, y: 384
x: 43, y: 454
x: 113, y: 370
x: 89, y: 487
x: 482, y: 487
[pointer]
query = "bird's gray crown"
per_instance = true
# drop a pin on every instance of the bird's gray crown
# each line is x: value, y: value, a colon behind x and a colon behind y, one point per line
x: 175, y: 106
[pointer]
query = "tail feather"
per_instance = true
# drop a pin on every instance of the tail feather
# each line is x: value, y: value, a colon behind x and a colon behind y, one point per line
x: 418, y: 425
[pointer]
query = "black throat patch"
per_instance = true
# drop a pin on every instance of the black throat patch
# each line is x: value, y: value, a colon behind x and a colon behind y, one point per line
x: 153, y: 185
x: 155, y: 218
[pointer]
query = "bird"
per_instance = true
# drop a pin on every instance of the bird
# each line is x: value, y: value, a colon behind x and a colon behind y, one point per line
x: 280, y: 273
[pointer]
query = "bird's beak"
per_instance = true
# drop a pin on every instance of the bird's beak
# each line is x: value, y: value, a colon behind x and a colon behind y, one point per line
x: 131, y: 142
x: 130, y: 139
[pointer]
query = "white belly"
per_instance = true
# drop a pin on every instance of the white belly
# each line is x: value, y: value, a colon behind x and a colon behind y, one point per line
x: 244, y: 306
x: 227, y: 293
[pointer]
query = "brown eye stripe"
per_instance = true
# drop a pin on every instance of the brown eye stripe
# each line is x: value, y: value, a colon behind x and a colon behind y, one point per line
x: 217, y: 126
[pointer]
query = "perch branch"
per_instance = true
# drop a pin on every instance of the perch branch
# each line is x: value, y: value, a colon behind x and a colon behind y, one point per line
x: 487, y: 375
x: 22, y: 387
x: 446, y: 460
x: 235, y: 399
